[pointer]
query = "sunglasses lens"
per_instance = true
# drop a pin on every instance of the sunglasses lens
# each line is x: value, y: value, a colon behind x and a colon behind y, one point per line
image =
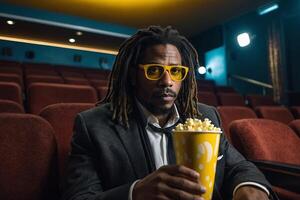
x: 178, y: 73
x: 154, y: 72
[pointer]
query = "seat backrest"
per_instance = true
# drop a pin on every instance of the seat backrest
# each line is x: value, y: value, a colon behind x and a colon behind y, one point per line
x: 7, y: 106
x: 28, y: 158
x: 11, y: 91
x: 54, y: 114
x: 277, y: 113
x: 296, y: 111
x: 231, y: 99
x: 15, y: 78
x: 102, y: 92
x: 225, y: 89
x: 208, y: 98
x: 295, y: 125
x: 260, y: 100
x: 230, y: 113
x: 206, y: 88
x: 43, y: 79
x: 41, y: 95
x: 263, y: 139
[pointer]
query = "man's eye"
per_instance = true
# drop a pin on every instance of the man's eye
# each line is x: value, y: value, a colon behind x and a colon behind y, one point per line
x: 175, y: 70
x: 154, y: 69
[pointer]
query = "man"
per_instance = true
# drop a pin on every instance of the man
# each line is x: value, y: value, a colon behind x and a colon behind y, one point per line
x: 119, y: 152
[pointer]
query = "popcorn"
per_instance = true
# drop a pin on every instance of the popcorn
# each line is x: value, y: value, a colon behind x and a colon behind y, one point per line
x: 197, y: 125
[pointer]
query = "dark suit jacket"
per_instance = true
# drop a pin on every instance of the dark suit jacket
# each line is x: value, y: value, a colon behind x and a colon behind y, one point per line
x: 106, y: 158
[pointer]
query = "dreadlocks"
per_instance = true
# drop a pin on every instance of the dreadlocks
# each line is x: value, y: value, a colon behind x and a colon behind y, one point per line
x: 120, y: 93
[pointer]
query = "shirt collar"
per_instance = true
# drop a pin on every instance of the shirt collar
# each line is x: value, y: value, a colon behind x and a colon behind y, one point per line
x: 151, y: 119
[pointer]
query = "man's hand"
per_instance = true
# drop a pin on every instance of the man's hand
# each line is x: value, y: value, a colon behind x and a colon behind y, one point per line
x: 169, y: 182
x: 250, y: 193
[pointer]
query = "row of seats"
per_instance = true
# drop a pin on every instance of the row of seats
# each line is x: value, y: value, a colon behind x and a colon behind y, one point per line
x: 43, y: 94
x: 35, y: 148
x: 281, y: 114
x: 234, y: 99
x: 27, y: 73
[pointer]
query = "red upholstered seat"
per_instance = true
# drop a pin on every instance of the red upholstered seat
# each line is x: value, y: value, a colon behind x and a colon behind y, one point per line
x: 225, y: 89
x: 208, y: 98
x: 277, y: 113
x: 71, y: 73
x: 28, y: 158
x: 209, y: 83
x: 99, y: 83
x: 295, y: 125
x: 296, y: 111
x: 263, y: 139
x: 76, y: 81
x: 42, y: 94
x: 260, y: 100
x: 7, y: 106
x: 285, y: 194
x: 102, y: 92
x: 231, y: 99
x: 43, y: 79
x: 230, y: 113
x: 65, y: 112
x: 206, y: 88
x: 40, y: 72
x: 6, y: 69
x: 11, y: 91
x: 92, y: 74
x: 15, y: 78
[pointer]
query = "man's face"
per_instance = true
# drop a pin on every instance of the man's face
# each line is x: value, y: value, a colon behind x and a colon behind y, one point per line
x: 158, y: 96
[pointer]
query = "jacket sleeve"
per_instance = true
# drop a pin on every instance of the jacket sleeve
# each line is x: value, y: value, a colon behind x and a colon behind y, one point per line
x: 83, y: 179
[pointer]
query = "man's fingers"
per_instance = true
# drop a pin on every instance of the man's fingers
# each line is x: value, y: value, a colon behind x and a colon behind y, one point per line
x: 174, y: 193
x: 180, y: 170
x: 185, y: 184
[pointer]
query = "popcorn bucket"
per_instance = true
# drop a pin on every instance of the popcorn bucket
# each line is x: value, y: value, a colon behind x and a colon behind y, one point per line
x: 198, y: 150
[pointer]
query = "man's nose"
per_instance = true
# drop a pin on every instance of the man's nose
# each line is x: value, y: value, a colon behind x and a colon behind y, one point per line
x: 166, y: 80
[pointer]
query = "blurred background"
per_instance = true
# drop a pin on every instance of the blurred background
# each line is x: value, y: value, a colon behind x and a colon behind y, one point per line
x: 250, y: 45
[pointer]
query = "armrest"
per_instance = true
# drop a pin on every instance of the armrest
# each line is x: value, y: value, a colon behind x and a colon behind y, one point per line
x: 280, y: 174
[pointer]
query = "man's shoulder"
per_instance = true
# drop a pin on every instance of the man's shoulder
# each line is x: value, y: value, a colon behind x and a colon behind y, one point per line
x: 204, y: 108
x: 100, y: 112
x: 209, y: 112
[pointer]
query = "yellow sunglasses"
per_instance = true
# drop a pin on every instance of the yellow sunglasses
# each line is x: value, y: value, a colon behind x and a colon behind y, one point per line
x: 155, y: 71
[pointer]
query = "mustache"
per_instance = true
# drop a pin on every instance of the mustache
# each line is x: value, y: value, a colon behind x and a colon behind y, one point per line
x: 163, y: 92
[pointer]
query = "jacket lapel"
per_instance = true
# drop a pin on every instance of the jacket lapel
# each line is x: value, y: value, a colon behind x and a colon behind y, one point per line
x: 133, y: 146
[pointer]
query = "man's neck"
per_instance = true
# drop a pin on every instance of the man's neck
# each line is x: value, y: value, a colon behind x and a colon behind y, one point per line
x: 162, y: 118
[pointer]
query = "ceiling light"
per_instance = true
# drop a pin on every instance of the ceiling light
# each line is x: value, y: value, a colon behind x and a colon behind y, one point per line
x: 72, y: 40
x: 78, y: 33
x: 52, y: 44
x: 267, y: 8
x: 243, y: 39
x: 202, y: 70
x: 10, y: 22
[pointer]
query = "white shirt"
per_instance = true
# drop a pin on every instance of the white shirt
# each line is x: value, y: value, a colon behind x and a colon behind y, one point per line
x: 158, y: 143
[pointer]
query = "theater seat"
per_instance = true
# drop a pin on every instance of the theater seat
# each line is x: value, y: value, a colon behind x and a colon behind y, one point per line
x: 274, y: 148
x: 231, y: 99
x: 225, y: 89
x: 14, y: 78
x: 7, y: 106
x: 230, y: 113
x: 260, y: 100
x: 28, y: 159
x: 296, y: 111
x: 263, y: 139
x: 65, y: 112
x: 43, y: 79
x: 102, y: 92
x: 295, y: 125
x: 208, y: 98
x: 277, y: 113
x: 41, y: 95
x: 11, y: 91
